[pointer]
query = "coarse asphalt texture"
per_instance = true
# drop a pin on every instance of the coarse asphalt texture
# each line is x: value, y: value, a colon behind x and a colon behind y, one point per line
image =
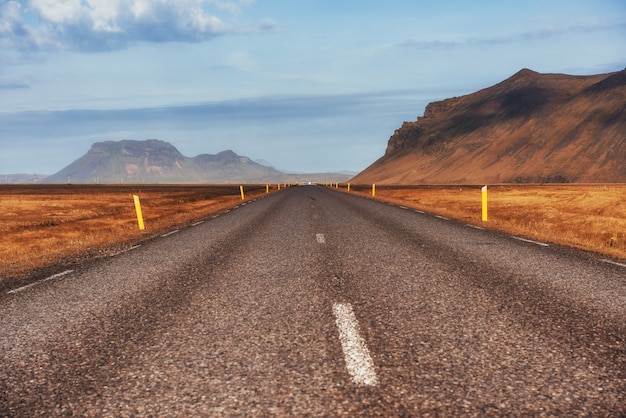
x: 314, y: 302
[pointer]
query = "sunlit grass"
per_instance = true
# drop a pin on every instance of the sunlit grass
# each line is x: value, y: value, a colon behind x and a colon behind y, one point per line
x: 45, y: 224
x: 40, y: 226
x: 590, y: 217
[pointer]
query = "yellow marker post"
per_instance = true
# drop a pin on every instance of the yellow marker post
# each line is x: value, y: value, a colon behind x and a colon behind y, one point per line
x: 279, y: 187
x: 243, y: 196
x: 267, y: 188
x: 484, y: 203
x: 348, y: 186
x: 139, y: 214
x: 373, y: 189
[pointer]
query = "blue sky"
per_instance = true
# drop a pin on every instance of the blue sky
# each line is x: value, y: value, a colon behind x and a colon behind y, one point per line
x: 308, y: 85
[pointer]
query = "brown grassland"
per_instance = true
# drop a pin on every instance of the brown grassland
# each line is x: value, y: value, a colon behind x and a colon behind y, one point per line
x: 44, y: 225
x: 589, y: 217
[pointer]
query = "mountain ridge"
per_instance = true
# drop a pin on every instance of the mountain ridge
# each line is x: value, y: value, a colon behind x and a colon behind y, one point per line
x: 156, y: 161
x: 531, y: 127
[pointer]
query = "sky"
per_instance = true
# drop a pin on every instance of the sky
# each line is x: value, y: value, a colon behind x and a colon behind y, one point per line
x: 306, y: 85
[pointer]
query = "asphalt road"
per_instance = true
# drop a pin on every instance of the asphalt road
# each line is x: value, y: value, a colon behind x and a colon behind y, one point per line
x: 312, y: 302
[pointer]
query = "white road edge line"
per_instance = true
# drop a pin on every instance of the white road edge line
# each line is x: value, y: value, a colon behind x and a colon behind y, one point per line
x: 125, y: 251
x: 197, y: 223
x: 475, y: 226
x: 403, y: 207
x: 320, y: 238
x: 171, y: 233
x: 54, y: 276
x: 543, y: 244
x: 442, y: 217
x: 358, y: 360
x: 604, y: 260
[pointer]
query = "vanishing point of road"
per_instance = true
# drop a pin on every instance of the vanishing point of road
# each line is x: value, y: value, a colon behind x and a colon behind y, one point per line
x: 314, y: 302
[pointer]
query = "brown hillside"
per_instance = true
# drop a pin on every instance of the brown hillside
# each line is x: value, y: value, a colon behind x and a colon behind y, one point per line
x: 529, y: 128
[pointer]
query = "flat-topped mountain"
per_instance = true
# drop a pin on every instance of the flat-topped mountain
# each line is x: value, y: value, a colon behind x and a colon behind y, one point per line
x: 154, y: 161
x: 529, y: 128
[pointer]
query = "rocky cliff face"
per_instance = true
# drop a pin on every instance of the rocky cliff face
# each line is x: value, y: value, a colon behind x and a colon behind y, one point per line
x: 529, y: 128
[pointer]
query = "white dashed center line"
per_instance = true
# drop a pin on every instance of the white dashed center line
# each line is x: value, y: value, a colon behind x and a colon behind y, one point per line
x: 358, y: 360
x: 320, y: 238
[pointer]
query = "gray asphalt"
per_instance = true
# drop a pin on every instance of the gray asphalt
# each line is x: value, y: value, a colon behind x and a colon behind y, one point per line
x: 238, y: 316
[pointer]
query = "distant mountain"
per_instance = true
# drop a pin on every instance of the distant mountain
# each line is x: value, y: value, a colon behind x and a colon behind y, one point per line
x: 154, y: 161
x: 22, y: 178
x: 529, y: 128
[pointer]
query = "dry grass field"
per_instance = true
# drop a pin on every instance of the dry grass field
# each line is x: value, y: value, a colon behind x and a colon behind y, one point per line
x: 589, y: 217
x: 41, y: 225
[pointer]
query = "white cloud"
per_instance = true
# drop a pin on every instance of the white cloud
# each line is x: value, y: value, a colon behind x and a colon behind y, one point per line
x: 94, y: 25
x: 537, y: 34
x: 234, y: 7
x: 58, y: 11
x: 10, y: 11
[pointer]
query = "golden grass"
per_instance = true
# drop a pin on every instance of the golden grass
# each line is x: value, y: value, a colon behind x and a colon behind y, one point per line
x: 589, y: 217
x: 41, y: 225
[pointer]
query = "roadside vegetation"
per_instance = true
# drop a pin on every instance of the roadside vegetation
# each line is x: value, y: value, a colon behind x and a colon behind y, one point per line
x: 589, y: 217
x: 45, y: 224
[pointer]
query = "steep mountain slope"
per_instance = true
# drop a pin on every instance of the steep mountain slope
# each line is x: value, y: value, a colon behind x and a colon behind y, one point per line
x: 529, y: 128
x: 154, y: 161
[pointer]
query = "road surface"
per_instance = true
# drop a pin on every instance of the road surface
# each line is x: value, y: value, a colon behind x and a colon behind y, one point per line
x: 315, y: 302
